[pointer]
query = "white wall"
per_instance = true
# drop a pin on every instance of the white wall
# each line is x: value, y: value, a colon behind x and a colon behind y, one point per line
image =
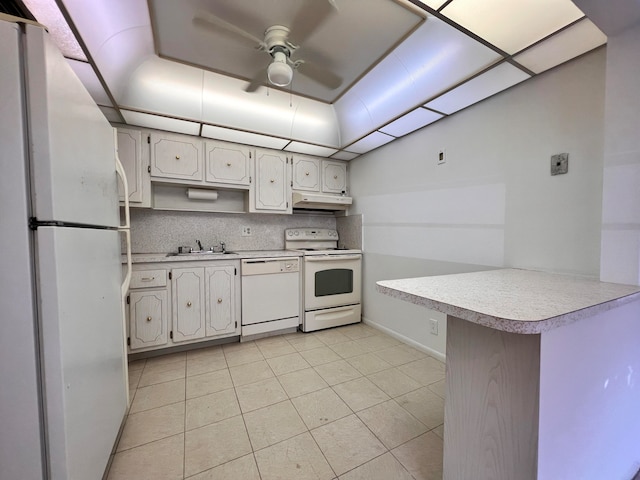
x: 493, y: 203
x: 620, y: 260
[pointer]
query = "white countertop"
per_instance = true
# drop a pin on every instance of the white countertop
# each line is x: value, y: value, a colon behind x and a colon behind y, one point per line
x: 236, y: 255
x: 511, y: 300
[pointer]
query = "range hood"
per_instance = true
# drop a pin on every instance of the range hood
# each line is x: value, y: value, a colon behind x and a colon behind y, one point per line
x: 319, y: 201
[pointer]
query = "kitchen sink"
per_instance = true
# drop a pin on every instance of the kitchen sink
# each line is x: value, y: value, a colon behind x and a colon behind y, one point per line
x: 200, y: 252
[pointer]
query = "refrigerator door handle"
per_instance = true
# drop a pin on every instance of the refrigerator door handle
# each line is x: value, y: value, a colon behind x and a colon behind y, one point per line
x: 126, y: 228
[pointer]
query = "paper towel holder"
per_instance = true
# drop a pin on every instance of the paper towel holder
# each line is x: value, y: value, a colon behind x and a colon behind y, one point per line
x: 202, y: 194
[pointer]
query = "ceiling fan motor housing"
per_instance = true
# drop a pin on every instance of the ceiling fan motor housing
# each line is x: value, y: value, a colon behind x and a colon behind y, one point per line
x: 279, y: 71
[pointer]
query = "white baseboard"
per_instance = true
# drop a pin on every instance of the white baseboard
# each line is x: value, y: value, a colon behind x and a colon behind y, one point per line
x: 418, y: 346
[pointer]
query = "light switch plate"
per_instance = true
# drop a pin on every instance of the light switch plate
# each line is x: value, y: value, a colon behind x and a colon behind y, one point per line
x: 559, y: 163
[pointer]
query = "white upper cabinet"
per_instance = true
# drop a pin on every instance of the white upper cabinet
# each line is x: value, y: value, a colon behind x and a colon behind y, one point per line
x: 227, y: 163
x: 271, y: 191
x: 334, y: 176
x: 176, y: 157
x: 134, y: 155
x: 306, y: 173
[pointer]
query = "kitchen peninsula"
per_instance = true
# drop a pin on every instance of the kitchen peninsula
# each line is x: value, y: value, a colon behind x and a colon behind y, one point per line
x: 542, y: 373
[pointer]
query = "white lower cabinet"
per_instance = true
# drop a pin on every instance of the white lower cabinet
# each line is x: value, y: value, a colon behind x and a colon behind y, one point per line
x: 222, y: 300
x: 202, y: 300
x: 148, y: 319
x: 188, y: 302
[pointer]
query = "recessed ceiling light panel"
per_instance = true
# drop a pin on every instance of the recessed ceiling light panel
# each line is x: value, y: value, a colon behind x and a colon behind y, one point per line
x: 512, y: 25
x: 575, y: 40
x: 410, y: 122
x: 493, y: 81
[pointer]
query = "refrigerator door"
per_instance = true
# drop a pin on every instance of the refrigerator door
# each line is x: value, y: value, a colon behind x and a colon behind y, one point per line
x: 81, y: 323
x: 72, y: 146
x: 20, y: 435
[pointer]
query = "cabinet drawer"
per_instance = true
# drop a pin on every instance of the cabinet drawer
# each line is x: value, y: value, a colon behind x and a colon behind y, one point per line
x: 148, y: 278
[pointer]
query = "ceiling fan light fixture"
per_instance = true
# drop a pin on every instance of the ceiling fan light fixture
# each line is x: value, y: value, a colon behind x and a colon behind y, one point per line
x: 279, y: 71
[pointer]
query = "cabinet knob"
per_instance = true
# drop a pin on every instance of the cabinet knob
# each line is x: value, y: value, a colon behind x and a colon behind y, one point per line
x: 306, y: 173
x: 272, y: 180
x: 177, y: 157
x: 188, y: 304
x: 219, y: 300
x: 228, y: 164
x: 335, y: 177
x: 149, y: 318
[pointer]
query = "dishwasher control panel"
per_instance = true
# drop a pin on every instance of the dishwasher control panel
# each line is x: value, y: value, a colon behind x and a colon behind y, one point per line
x: 266, y: 266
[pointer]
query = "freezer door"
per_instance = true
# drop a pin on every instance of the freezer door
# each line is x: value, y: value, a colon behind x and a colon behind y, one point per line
x: 80, y: 315
x: 72, y: 144
x: 20, y: 436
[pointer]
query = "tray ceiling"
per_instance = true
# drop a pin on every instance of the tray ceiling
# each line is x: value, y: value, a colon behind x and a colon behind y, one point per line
x: 404, y: 63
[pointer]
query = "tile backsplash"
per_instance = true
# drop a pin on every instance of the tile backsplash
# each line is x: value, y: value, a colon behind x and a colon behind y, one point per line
x: 160, y: 231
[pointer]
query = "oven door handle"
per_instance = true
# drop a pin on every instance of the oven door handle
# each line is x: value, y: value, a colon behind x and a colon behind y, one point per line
x: 331, y: 258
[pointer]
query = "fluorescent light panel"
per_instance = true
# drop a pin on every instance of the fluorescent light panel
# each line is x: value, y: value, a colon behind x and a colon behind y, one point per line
x: 371, y: 141
x: 343, y: 155
x: 161, y: 123
x: 576, y: 40
x: 410, y: 122
x: 247, y: 138
x: 493, y: 81
x: 307, y: 148
x: 48, y: 14
x: 512, y: 25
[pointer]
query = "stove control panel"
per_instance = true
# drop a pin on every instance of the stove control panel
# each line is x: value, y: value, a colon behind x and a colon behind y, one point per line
x: 314, y: 234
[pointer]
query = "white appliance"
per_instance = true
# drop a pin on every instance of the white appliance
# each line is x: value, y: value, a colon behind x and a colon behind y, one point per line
x: 270, y: 295
x: 63, y: 365
x: 332, y: 278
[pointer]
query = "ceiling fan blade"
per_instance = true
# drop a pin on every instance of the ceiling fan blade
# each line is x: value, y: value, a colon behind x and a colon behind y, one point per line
x: 309, y: 18
x: 210, y: 21
x: 257, y: 81
x: 319, y: 75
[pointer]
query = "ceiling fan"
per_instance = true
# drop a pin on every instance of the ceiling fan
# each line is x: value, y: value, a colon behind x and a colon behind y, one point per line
x: 277, y: 44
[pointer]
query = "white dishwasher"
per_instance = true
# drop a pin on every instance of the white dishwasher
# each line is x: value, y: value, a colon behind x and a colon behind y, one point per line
x: 270, y: 294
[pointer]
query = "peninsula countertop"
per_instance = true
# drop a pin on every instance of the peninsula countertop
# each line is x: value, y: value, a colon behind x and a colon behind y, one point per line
x: 512, y: 300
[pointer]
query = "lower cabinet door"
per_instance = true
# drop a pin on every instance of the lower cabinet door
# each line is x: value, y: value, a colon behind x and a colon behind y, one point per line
x: 188, y: 303
x: 148, y: 319
x: 221, y: 300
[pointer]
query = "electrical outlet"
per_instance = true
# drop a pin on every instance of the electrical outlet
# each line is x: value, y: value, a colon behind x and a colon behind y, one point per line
x: 433, y: 326
x: 246, y: 231
x: 442, y: 156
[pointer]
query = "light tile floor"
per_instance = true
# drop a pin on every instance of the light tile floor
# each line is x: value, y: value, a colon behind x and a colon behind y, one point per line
x: 349, y: 403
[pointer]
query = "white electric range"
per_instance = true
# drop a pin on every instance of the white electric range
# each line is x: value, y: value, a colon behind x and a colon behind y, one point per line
x: 332, y: 278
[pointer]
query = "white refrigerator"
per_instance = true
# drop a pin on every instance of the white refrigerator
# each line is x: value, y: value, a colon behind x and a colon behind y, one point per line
x: 63, y: 393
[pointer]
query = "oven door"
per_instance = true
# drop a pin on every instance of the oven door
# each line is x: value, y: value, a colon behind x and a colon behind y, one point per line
x: 332, y: 280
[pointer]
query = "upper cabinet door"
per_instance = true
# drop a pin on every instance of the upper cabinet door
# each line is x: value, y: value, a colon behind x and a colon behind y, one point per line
x: 272, y: 189
x: 227, y: 163
x: 334, y: 176
x: 176, y: 156
x: 130, y: 154
x: 306, y: 173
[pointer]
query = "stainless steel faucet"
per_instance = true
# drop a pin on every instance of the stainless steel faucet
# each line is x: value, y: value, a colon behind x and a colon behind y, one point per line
x: 199, y: 244
x: 222, y: 246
